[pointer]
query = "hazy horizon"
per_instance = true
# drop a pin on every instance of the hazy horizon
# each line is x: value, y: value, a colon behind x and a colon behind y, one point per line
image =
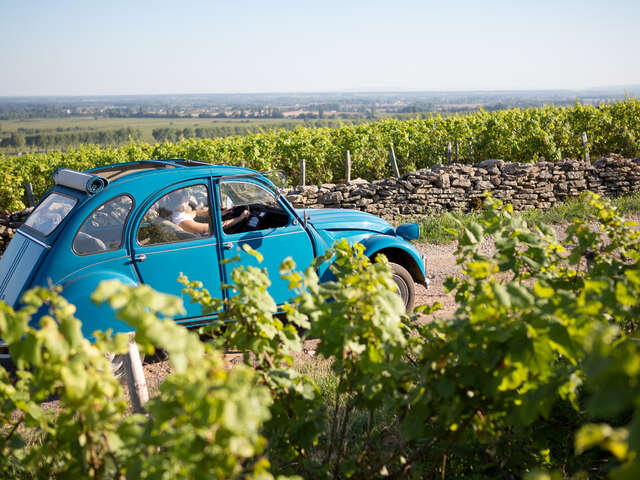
x: 73, y: 48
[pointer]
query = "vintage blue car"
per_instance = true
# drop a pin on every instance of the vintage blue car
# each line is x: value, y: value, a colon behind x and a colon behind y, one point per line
x: 146, y: 222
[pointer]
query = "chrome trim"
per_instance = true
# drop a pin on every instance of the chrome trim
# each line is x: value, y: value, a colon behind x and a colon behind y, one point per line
x: 33, y: 239
x: 427, y: 280
x: 178, y: 249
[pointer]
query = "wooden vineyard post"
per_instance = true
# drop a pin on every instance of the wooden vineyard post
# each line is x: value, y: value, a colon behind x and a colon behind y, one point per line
x: 347, y: 167
x: 303, y: 172
x: 138, y: 391
x: 449, y: 153
x: 470, y: 145
x: 394, y: 163
x: 457, y: 151
x: 30, y: 198
x: 585, y: 145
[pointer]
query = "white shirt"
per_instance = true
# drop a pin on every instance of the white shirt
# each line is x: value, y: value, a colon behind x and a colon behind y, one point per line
x: 179, y: 217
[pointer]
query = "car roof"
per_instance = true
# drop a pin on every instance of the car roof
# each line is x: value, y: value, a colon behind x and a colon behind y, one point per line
x: 117, y: 171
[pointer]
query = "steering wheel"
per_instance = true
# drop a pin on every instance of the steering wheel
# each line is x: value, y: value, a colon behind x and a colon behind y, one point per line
x: 253, y: 220
x: 250, y: 222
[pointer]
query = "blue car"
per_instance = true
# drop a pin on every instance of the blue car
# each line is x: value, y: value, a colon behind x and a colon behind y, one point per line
x: 146, y: 222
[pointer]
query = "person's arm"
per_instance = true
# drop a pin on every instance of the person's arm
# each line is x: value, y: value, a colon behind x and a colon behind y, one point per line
x: 191, y: 226
x: 201, y: 212
x: 230, y: 222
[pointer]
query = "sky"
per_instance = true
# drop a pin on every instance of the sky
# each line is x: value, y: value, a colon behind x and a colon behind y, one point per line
x: 113, y: 47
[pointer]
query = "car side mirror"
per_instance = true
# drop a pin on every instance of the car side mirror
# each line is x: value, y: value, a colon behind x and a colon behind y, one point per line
x: 408, y: 231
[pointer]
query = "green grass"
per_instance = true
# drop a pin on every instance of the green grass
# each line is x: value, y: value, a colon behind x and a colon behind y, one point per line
x: 440, y: 228
x: 319, y: 370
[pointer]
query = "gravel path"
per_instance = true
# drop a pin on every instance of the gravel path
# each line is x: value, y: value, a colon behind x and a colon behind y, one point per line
x: 441, y: 263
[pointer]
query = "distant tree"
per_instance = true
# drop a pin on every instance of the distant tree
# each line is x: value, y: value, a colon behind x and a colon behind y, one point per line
x: 17, y: 140
x: 136, y: 134
x: 119, y: 135
x: 160, y: 134
x: 187, y: 132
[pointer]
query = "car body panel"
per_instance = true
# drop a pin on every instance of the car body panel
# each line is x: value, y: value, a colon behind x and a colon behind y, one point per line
x: 373, y: 232
x: 23, y: 258
x: 163, y: 264
x: 275, y: 245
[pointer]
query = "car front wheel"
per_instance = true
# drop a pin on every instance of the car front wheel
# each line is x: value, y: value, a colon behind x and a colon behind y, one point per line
x: 404, y: 285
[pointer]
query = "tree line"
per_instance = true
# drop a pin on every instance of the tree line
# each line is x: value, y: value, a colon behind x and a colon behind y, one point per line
x: 49, y: 140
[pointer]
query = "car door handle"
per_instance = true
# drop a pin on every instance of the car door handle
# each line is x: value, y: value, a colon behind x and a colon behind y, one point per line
x: 227, y: 246
x: 140, y: 257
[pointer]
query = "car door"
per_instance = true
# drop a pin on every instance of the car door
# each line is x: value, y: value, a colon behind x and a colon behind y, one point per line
x: 253, y: 214
x: 163, y: 248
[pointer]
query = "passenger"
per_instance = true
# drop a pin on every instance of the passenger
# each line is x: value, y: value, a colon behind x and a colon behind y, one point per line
x: 177, y: 209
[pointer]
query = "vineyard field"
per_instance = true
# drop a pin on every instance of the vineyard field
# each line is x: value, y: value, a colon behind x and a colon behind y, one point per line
x: 524, y: 135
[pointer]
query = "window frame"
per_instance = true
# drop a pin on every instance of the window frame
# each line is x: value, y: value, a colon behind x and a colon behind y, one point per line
x: 158, y: 196
x: 251, y: 180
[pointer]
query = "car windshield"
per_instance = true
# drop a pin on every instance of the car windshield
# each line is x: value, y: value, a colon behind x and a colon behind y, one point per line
x: 50, y: 213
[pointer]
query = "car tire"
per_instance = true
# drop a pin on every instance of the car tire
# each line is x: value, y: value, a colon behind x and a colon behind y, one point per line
x: 404, y: 284
x: 118, y: 367
x: 9, y: 366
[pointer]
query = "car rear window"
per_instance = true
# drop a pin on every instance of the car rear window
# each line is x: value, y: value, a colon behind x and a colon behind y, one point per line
x: 50, y: 213
x: 102, y: 230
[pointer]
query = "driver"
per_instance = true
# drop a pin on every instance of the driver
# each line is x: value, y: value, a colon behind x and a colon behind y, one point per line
x: 229, y: 222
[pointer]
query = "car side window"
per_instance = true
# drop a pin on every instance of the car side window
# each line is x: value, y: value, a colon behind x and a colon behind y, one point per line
x: 103, y: 230
x: 182, y: 214
x: 247, y: 207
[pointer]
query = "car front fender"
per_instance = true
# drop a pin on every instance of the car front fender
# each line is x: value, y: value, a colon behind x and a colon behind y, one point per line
x: 397, y: 250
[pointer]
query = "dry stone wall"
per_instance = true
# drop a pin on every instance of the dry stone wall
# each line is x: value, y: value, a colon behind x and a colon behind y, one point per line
x: 461, y: 187
x: 453, y: 187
